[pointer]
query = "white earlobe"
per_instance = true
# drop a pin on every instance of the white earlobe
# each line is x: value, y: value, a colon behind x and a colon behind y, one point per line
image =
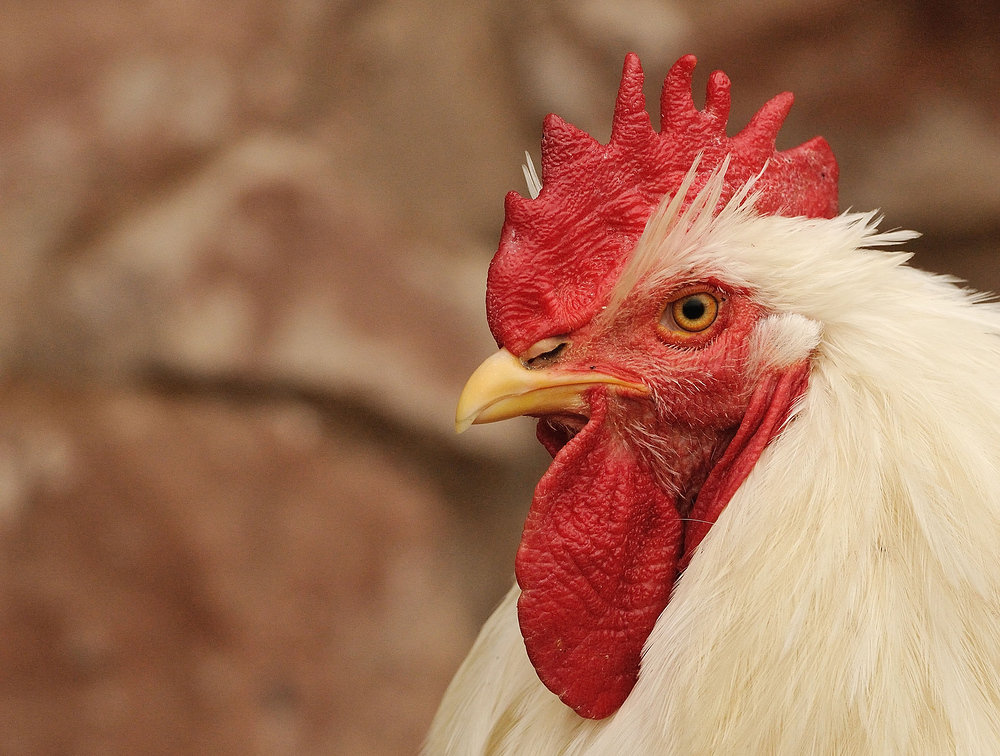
x: 778, y: 341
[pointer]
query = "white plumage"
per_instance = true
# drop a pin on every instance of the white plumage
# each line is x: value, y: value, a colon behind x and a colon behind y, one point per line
x: 847, y: 601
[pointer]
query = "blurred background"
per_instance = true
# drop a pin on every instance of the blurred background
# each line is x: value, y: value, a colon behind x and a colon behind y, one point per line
x: 243, y: 247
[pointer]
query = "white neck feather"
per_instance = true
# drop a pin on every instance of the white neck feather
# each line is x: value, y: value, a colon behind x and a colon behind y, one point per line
x: 847, y: 601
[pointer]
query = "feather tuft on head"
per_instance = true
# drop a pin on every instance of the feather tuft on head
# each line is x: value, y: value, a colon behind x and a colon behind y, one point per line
x: 561, y: 251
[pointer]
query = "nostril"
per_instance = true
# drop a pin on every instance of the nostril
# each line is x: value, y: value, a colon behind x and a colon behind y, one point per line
x: 544, y: 352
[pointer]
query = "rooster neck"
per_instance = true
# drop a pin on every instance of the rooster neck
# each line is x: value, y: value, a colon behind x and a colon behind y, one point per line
x: 821, y: 614
x: 846, y: 600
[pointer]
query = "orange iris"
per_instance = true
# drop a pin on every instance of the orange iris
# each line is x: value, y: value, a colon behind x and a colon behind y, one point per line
x: 692, y: 312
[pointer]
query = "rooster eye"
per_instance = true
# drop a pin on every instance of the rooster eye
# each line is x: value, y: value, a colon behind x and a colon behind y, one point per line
x: 692, y: 312
x: 544, y: 352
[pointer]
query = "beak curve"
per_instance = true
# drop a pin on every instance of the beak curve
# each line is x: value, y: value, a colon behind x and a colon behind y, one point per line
x: 502, y: 388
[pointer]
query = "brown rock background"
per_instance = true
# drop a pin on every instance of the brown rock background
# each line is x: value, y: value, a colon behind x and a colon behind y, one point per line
x: 242, y: 259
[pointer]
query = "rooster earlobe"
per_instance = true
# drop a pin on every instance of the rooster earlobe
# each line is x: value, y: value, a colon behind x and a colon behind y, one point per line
x: 631, y: 124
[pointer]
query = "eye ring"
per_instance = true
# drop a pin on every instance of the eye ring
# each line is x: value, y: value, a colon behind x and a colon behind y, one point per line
x: 692, y: 312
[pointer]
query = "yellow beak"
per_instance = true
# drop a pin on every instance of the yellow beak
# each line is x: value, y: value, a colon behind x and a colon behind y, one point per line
x: 502, y: 388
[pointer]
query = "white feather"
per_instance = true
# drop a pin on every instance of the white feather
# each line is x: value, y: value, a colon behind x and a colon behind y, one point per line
x: 779, y: 341
x: 847, y: 601
x: 531, y: 177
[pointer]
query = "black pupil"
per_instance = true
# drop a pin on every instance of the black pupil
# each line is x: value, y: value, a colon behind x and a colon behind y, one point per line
x: 693, y: 308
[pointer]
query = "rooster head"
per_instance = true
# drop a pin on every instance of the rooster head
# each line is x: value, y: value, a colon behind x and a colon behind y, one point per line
x: 657, y: 373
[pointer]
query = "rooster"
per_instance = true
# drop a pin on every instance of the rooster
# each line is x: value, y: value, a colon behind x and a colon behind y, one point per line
x: 771, y: 524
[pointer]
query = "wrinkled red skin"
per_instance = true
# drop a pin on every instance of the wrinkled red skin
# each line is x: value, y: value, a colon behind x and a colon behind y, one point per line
x: 596, y: 565
x: 609, y: 527
x: 561, y: 253
x: 612, y: 521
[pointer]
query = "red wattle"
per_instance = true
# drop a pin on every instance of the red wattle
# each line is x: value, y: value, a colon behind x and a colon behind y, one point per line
x: 769, y: 409
x: 596, y: 565
x: 603, y: 544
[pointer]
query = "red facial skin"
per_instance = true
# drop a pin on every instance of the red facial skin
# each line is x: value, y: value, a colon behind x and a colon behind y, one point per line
x: 631, y: 493
x: 607, y: 531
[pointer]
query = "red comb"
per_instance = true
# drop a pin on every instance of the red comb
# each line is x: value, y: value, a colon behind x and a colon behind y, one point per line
x: 561, y: 252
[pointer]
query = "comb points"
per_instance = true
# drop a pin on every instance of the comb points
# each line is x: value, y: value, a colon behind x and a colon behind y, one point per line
x: 561, y: 252
x: 762, y: 131
x: 630, y: 122
x: 676, y: 103
x: 718, y: 99
x: 516, y: 208
x: 563, y: 145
